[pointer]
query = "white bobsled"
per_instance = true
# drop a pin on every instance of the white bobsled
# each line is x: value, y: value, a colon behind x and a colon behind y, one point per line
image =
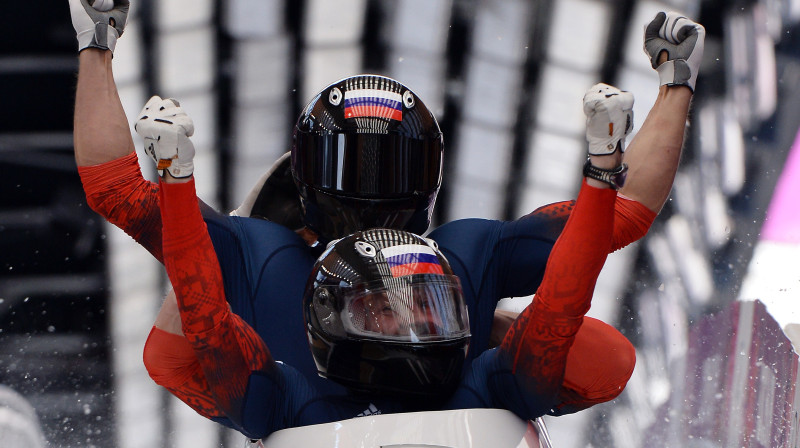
x: 462, y: 428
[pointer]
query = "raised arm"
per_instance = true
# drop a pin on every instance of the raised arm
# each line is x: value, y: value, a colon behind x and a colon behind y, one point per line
x: 104, y: 150
x: 674, y: 45
x: 536, y: 346
x: 538, y: 342
x: 101, y: 131
x: 228, y: 351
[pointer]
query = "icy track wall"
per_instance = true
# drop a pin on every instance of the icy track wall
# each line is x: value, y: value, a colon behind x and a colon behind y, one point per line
x: 738, y: 386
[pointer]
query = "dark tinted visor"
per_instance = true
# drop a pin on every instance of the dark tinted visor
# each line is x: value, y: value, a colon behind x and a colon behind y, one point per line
x: 368, y: 165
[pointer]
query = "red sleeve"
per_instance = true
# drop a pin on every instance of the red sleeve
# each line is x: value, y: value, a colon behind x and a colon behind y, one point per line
x: 227, y: 349
x: 171, y: 363
x: 599, y: 365
x: 118, y: 192
x: 632, y: 220
x: 540, y: 339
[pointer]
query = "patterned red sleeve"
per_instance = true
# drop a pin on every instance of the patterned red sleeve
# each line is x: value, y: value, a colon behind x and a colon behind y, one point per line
x: 118, y: 192
x: 227, y: 349
x: 538, y: 342
x: 631, y: 223
x: 172, y: 364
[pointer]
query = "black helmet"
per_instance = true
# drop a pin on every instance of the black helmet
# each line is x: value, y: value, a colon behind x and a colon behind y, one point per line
x: 367, y: 153
x: 385, y: 314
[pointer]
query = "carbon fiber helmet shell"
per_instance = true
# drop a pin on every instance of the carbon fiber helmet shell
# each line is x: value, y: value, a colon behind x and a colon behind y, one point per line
x: 351, y: 351
x: 366, y: 153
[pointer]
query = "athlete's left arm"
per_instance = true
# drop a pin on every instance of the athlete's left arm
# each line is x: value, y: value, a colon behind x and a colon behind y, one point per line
x: 233, y: 357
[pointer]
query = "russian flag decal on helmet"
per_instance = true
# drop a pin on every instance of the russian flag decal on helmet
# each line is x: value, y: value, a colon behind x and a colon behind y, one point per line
x: 409, y: 259
x: 373, y: 103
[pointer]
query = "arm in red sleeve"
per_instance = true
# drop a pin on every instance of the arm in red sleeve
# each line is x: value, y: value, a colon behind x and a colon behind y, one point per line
x: 117, y: 191
x: 537, y: 344
x: 171, y: 363
x: 631, y: 222
x: 227, y: 349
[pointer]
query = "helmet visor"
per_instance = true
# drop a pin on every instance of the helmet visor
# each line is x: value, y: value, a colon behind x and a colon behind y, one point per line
x: 368, y: 165
x: 415, y: 308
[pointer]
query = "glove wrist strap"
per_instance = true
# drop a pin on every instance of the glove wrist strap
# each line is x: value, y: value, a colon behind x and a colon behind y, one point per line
x: 103, y: 36
x: 181, y: 171
x: 666, y: 73
x: 600, y: 149
x: 614, y: 177
x: 673, y: 73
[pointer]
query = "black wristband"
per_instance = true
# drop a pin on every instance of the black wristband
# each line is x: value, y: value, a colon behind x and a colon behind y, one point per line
x: 614, y: 177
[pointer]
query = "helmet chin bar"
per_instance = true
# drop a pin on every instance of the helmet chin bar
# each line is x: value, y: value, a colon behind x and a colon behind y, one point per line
x: 402, y: 370
x: 334, y: 216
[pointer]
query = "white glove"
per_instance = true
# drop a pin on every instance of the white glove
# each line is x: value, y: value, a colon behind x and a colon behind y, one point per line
x: 609, y: 118
x: 98, y: 29
x: 683, y: 41
x: 166, y: 129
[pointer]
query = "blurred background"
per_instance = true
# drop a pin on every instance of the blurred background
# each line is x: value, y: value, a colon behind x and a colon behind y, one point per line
x: 504, y: 77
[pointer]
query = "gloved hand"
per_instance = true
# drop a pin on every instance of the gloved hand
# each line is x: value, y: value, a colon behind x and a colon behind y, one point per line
x: 98, y: 29
x: 609, y: 118
x: 166, y: 129
x: 683, y: 41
